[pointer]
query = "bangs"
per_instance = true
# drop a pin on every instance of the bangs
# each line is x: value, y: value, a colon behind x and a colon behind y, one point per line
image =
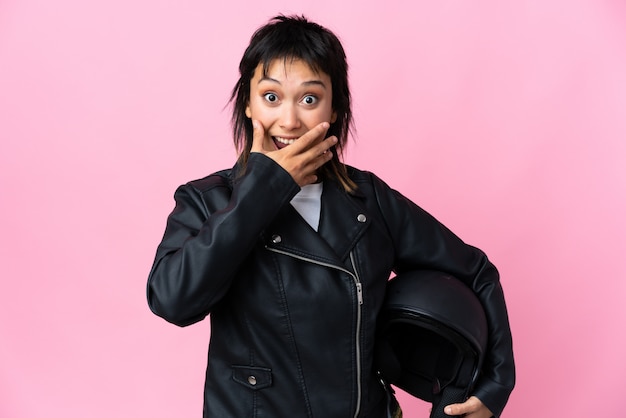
x: 291, y: 43
x: 267, y: 61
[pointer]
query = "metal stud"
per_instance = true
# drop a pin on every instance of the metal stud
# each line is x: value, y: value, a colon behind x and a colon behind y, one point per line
x: 276, y: 239
x: 361, y: 218
x: 252, y: 380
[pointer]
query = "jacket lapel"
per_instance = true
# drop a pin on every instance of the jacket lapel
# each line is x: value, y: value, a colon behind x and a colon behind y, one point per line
x: 342, y: 221
x: 290, y: 233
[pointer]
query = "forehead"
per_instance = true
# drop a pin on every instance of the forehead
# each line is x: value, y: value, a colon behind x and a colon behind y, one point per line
x: 289, y: 67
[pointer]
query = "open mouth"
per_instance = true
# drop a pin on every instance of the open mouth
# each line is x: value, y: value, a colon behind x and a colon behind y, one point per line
x: 283, y: 142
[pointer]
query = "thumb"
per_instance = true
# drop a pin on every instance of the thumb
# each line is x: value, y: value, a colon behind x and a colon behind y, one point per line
x: 471, y: 405
x: 258, y: 137
x: 455, y: 409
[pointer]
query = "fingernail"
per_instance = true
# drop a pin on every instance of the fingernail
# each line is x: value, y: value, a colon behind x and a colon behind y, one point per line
x: 448, y: 410
x: 325, y: 125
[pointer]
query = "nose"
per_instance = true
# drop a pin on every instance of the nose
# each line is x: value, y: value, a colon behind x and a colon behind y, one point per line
x: 289, y: 118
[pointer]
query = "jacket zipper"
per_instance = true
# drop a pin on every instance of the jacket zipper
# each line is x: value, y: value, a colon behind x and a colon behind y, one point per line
x: 359, y: 294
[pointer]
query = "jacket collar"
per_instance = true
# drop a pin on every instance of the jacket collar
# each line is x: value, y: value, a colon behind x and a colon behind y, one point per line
x: 343, y: 220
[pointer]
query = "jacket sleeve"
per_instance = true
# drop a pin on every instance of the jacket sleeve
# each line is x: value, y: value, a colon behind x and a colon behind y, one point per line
x: 208, y: 236
x: 423, y: 242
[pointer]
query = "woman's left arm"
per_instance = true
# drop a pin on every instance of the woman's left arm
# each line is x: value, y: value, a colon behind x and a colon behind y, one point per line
x: 423, y: 242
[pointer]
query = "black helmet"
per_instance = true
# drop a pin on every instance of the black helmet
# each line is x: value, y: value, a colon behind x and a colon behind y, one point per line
x: 431, y: 337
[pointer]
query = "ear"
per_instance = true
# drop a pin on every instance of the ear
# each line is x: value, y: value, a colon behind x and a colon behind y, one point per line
x: 333, y: 117
x: 248, y: 113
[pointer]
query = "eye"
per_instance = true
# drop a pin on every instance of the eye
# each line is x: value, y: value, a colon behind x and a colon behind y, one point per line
x: 309, y: 99
x: 271, y: 97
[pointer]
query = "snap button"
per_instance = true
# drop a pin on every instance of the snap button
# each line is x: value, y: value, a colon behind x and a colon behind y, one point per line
x: 252, y: 380
x: 276, y: 239
x: 361, y: 218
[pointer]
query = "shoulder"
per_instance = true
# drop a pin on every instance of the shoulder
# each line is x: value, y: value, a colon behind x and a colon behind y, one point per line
x: 365, y: 180
x: 209, y: 193
x: 219, y: 179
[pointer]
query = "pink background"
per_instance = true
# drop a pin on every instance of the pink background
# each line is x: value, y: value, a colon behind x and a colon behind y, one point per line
x: 506, y: 120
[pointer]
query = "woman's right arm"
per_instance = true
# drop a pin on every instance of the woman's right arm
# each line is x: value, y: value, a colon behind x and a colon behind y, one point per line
x: 208, y: 236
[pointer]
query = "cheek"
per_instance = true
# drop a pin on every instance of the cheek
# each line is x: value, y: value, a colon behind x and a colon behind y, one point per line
x: 333, y: 117
x: 327, y: 115
x: 254, y: 110
x: 312, y: 119
x: 267, y: 116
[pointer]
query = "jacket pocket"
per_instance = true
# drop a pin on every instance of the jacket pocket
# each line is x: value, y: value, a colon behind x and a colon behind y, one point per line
x: 254, y: 378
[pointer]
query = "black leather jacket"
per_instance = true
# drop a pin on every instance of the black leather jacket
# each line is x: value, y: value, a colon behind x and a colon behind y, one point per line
x: 293, y: 312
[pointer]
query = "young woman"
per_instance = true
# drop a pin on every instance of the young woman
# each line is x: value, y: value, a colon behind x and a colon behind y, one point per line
x: 290, y: 250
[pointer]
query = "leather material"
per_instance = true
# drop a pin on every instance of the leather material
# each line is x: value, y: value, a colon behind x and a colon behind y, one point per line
x: 300, y: 307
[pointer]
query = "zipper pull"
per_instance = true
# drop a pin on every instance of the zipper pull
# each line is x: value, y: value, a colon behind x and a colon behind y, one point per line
x: 359, y: 293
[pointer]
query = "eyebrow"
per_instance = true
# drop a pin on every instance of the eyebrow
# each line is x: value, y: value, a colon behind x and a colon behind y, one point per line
x: 306, y: 83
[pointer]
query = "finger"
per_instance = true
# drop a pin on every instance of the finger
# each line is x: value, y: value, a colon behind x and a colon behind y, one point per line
x: 258, y: 138
x: 322, y: 155
x: 324, y: 146
x: 309, y: 139
x: 459, y: 408
x: 313, y: 158
x: 316, y: 155
x: 455, y: 409
x: 473, y: 404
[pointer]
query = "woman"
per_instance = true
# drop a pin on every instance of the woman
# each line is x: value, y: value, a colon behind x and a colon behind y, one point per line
x: 290, y: 250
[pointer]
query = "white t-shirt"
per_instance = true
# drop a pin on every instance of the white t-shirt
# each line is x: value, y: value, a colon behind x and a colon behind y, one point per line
x: 308, y: 203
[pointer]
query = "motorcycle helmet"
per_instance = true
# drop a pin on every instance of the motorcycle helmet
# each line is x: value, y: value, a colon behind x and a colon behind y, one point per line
x: 431, y: 337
